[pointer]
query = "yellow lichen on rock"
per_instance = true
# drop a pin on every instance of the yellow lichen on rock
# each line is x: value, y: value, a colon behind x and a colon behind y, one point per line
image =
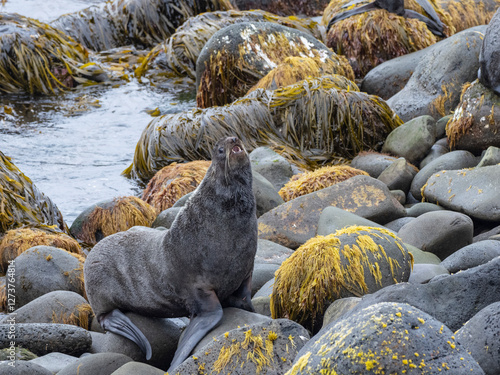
x: 172, y: 182
x: 321, y: 178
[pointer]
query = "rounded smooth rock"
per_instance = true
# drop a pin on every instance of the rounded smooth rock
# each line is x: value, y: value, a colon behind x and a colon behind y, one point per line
x: 372, y: 163
x: 399, y: 175
x: 450, y: 161
x: 23, y: 368
x: 412, y: 140
x: 166, y: 218
x: 439, y: 232
x: 339, y: 308
x: 54, y: 362
x: 422, y: 257
x: 397, y: 224
x: 44, y: 338
x: 490, y: 157
x: 274, y: 167
x: 102, y: 364
x: 472, y: 255
x: 266, y: 196
x: 138, y: 368
x: 43, y: 269
x: 417, y: 209
x: 437, y: 149
x: 423, y: 273
x: 480, y: 336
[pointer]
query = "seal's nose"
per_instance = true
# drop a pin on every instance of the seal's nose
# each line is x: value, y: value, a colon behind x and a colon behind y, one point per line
x: 234, y: 139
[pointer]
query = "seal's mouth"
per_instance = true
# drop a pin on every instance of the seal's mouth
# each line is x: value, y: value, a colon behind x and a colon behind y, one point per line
x: 236, y: 149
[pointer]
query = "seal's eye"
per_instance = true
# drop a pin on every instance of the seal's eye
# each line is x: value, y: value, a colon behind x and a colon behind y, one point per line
x: 221, y: 150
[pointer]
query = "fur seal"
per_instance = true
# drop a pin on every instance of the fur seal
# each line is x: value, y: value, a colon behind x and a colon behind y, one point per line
x: 489, y: 57
x: 434, y: 24
x: 202, y: 263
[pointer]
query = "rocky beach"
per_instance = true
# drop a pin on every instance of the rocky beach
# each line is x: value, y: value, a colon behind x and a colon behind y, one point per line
x: 373, y: 134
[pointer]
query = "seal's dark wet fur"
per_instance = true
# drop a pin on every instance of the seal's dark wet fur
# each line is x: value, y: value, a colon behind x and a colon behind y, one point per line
x: 202, y: 263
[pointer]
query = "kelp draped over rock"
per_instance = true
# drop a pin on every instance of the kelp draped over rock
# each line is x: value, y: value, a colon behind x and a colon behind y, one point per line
x: 465, y: 14
x: 238, y: 56
x: 311, y: 123
x: 180, y: 52
x: 307, y: 7
x: 353, y: 261
x: 21, y: 203
x: 39, y: 59
x: 370, y: 38
x: 139, y: 22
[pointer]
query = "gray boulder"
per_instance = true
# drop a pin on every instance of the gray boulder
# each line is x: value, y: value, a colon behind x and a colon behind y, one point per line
x: 163, y: 335
x: 23, y: 368
x: 422, y: 257
x: 102, y: 364
x: 372, y: 163
x: 450, y: 161
x: 439, y: 232
x: 55, y: 307
x: 472, y: 191
x: 489, y: 72
x: 269, y: 252
x: 394, y: 337
x: 293, y: 223
x: 413, y: 139
x: 54, y: 362
x: 397, y: 224
x: 423, y: 273
x: 437, y: 149
x: 332, y: 219
x: 417, y: 209
x: 490, y: 157
x: 274, y: 167
x: 452, y: 299
x: 449, y: 64
x: 43, y: 269
x: 166, y: 218
x: 266, y: 196
x: 339, y: 308
x: 399, y: 175
x: 268, y: 347
x: 480, y: 336
x: 138, y: 368
x: 44, y: 338
x: 472, y: 255
x: 262, y: 273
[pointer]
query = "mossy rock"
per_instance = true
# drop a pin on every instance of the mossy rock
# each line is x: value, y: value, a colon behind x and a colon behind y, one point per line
x: 368, y: 39
x: 321, y: 178
x: 238, y: 56
x: 173, y: 182
x: 112, y: 216
x: 475, y: 124
x: 143, y: 23
x: 178, y: 53
x: 21, y: 354
x: 385, y: 338
x: 17, y: 241
x: 39, y: 59
x: 299, y: 7
x: 21, y: 203
x: 311, y: 123
x: 351, y: 262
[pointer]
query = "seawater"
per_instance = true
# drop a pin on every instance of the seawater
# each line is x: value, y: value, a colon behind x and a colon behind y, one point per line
x: 73, y: 151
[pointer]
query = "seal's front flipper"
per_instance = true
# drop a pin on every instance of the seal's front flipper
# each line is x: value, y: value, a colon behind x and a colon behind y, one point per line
x: 200, y: 324
x: 242, y: 297
x: 119, y: 323
x: 350, y: 13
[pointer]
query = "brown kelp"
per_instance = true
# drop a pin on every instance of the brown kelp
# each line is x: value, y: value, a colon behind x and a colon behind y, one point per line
x: 21, y: 203
x: 17, y: 241
x: 370, y: 38
x: 318, y: 179
x: 311, y: 123
x: 225, y: 71
x: 143, y: 23
x: 285, y: 8
x: 297, y: 68
x: 179, y: 52
x: 109, y: 217
x: 172, y: 182
x: 465, y: 14
x: 39, y: 59
x: 352, y: 262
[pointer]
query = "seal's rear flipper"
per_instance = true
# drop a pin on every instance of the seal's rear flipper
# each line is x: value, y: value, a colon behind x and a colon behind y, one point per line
x: 119, y: 323
x: 242, y: 297
x: 199, y: 326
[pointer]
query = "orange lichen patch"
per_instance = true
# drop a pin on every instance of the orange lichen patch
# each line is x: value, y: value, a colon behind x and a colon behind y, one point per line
x: 370, y: 38
x: 172, y: 182
x: 294, y: 69
x: 17, y: 241
x: 321, y: 178
x: 80, y: 317
x: 465, y: 14
x: 329, y: 267
x: 123, y: 214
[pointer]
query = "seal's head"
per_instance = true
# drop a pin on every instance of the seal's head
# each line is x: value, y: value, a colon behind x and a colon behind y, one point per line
x: 230, y: 158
